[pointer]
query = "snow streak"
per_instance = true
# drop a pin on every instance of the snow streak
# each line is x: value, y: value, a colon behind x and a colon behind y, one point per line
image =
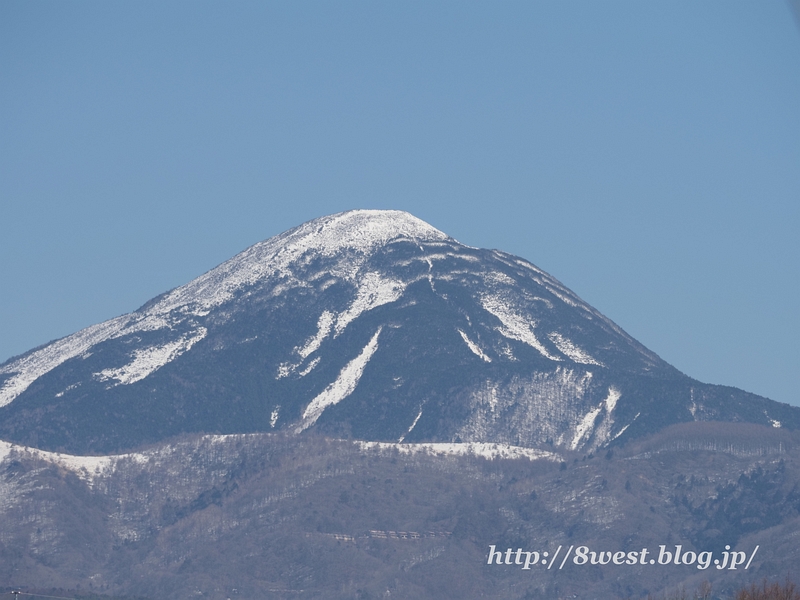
x: 373, y: 291
x: 410, y: 429
x: 586, y: 426
x: 147, y: 360
x: 515, y: 326
x: 29, y: 368
x: 474, y: 347
x: 569, y: 349
x: 340, y: 389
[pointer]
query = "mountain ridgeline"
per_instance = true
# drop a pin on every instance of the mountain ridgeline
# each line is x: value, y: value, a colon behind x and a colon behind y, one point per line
x: 369, y: 325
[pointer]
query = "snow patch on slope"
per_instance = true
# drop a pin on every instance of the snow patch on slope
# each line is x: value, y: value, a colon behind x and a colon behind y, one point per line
x: 498, y: 277
x: 340, y: 389
x: 621, y: 431
x: 410, y: 429
x: 85, y: 467
x: 474, y: 347
x: 148, y: 360
x: 611, y: 400
x: 489, y: 451
x: 324, y: 324
x: 515, y: 326
x: 571, y: 350
x: 563, y: 297
x: 373, y: 291
x: 429, y: 258
x: 586, y: 427
x: 310, y: 366
x: 531, y: 410
x: 29, y: 368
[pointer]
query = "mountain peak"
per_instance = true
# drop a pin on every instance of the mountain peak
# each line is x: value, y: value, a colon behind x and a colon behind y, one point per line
x: 360, y: 230
x: 370, y: 324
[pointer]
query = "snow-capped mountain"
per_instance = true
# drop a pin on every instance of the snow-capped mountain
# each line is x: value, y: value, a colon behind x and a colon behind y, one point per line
x: 372, y: 325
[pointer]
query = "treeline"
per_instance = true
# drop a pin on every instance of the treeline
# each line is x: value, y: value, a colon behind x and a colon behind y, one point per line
x: 738, y: 439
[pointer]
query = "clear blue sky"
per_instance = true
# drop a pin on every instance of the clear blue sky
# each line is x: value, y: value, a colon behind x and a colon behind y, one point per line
x: 646, y: 154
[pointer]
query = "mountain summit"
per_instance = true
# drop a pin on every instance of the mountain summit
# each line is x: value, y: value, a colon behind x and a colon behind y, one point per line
x: 366, y: 324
